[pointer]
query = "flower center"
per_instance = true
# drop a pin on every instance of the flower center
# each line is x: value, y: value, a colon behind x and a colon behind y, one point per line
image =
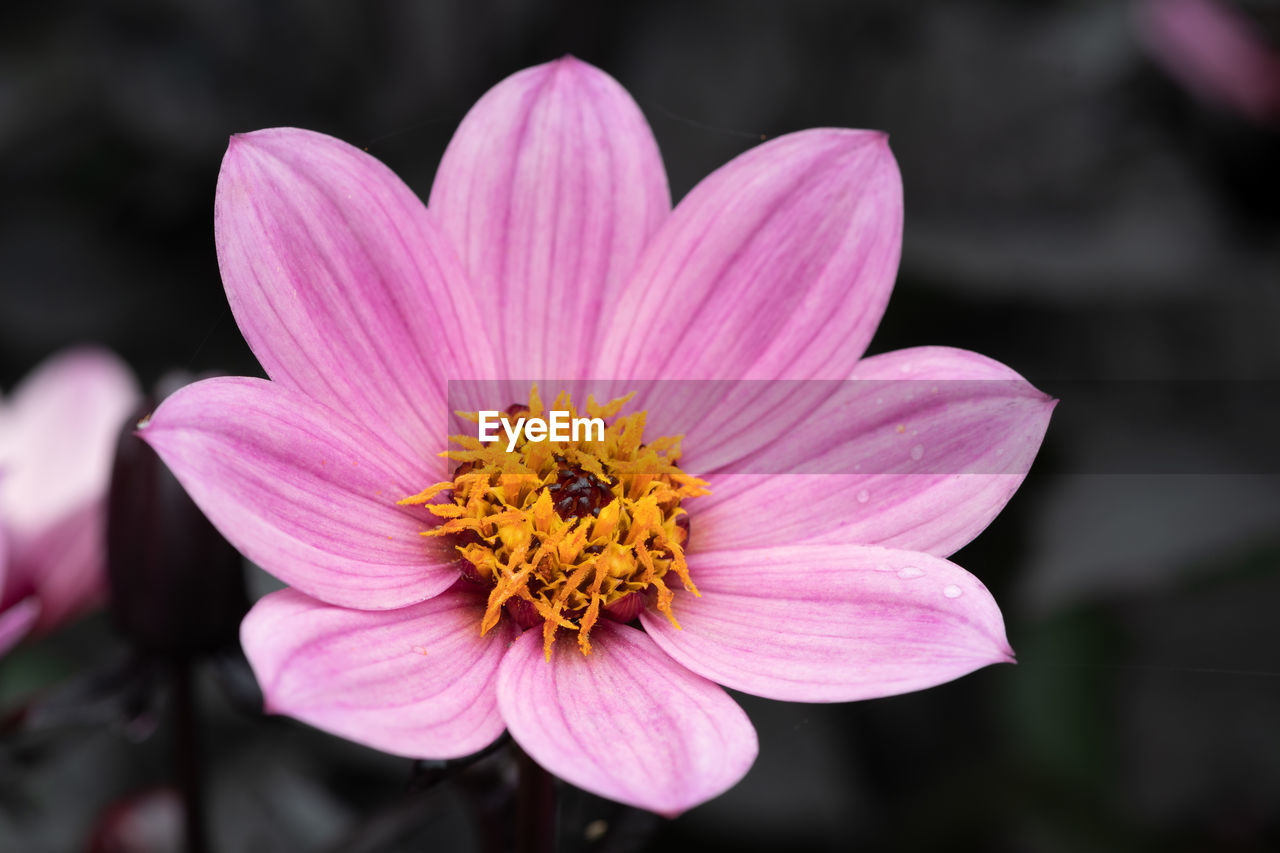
x: 563, y: 532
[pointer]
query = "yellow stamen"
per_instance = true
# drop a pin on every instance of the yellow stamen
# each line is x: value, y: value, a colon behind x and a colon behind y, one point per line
x: 569, y: 527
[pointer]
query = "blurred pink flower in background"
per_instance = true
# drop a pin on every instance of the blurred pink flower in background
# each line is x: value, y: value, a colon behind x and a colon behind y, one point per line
x: 1216, y: 52
x: 549, y: 249
x: 58, y: 433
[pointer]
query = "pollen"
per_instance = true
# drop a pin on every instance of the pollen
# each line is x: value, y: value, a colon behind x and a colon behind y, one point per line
x: 563, y: 533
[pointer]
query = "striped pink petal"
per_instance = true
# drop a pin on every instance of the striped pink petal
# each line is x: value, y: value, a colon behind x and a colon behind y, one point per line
x: 307, y: 495
x: 341, y: 285
x: 920, y: 451
x: 417, y: 681
x: 778, y: 265
x: 823, y: 623
x: 625, y: 722
x: 549, y: 190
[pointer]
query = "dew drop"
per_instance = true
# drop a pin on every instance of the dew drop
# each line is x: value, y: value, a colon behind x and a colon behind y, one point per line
x: 917, y: 452
x: 909, y: 572
x: 864, y: 496
x: 952, y: 591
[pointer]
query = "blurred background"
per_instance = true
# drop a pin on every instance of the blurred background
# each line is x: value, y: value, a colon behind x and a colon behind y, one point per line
x: 1093, y: 197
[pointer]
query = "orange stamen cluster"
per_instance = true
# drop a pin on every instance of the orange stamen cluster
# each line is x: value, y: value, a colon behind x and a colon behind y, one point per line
x: 568, y: 528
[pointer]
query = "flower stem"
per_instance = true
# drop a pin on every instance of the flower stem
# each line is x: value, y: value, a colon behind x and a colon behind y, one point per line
x: 535, y: 807
x: 186, y: 755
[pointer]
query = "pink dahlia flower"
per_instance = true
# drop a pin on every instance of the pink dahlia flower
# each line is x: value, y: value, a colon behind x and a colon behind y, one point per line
x: 58, y: 433
x: 548, y: 248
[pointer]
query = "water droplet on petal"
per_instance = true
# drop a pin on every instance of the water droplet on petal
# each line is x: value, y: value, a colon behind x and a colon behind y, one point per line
x: 864, y: 496
x: 952, y: 591
x: 909, y: 572
x: 917, y: 452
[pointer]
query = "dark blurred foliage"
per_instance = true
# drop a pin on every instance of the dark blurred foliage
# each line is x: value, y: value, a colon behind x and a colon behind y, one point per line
x: 1070, y: 211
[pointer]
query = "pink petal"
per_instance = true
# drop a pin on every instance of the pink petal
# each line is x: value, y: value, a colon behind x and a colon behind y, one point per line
x: 416, y: 682
x: 64, y: 565
x: 778, y: 265
x: 302, y: 492
x: 17, y: 621
x: 549, y: 190
x: 625, y: 722
x: 1215, y: 51
x: 823, y: 623
x: 57, y: 437
x: 941, y: 438
x: 342, y: 286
